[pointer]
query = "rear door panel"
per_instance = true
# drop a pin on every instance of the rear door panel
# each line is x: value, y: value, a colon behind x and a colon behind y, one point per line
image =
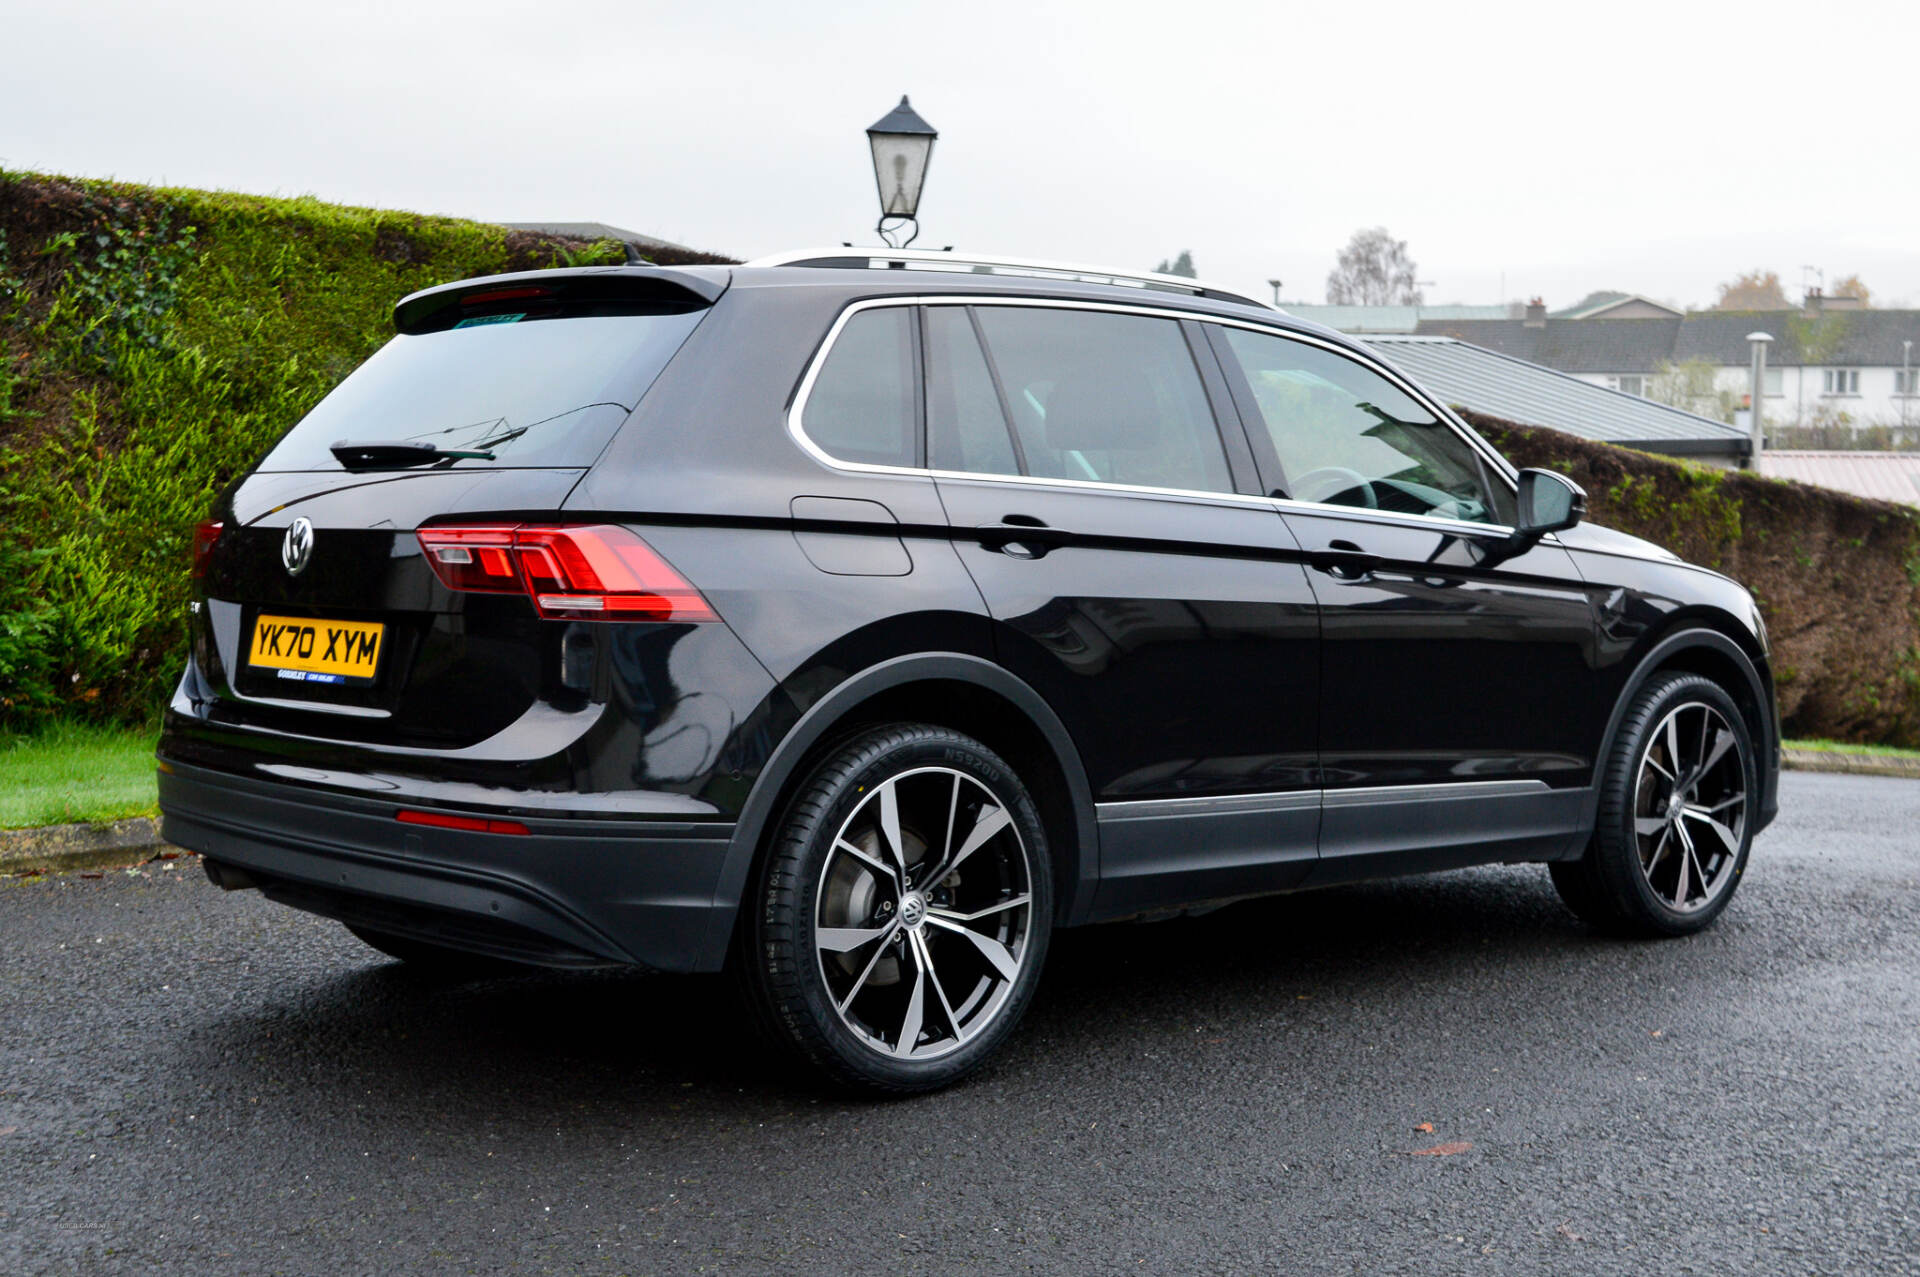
x: 1179, y: 643
x: 1174, y: 632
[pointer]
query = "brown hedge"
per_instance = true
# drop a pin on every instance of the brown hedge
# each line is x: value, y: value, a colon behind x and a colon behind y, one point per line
x: 1837, y: 576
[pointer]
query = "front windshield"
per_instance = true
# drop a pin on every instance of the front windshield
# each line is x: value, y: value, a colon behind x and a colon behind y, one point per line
x: 533, y: 392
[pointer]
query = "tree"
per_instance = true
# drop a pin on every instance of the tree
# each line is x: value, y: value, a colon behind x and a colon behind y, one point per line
x: 1692, y: 385
x: 1181, y: 266
x: 1374, y: 270
x: 1851, y: 286
x: 1755, y: 290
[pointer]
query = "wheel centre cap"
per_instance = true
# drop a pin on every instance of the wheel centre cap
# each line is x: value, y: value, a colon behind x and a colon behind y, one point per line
x: 913, y: 909
x: 1674, y: 805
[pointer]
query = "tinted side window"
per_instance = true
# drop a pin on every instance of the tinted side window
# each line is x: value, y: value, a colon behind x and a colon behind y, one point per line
x: 1344, y: 435
x: 1114, y: 398
x: 862, y: 404
x: 965, y: 427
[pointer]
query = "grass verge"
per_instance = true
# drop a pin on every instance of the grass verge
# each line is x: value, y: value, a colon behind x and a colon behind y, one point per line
x: 1847, y: 747
x: 74, y: 773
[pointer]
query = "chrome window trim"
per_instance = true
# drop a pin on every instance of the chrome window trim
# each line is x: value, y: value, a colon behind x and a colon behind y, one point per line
x: 1237, y: 499
x: 1297, y: 799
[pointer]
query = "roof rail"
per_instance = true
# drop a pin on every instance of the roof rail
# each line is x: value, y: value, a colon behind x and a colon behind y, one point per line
x: 849, y: 258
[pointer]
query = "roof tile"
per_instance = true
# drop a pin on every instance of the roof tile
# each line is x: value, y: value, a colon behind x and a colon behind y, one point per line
x: 1869, y: 338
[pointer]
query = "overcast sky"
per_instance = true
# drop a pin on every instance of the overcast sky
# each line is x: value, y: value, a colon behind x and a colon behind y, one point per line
x: 1522, y: 149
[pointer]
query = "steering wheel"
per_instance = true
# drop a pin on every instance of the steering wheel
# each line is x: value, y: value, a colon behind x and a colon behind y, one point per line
x: 1348, y: 480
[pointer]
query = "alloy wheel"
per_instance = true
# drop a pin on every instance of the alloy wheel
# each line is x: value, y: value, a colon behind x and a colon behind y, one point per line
x: 1690, y: 807
x: 924, y: 913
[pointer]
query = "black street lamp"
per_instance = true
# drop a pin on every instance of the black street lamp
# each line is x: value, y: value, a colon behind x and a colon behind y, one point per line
x: 902, y: 144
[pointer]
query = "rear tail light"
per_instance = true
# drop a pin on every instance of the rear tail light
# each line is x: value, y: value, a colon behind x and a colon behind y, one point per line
x: 204, y: 537
x: 577, y: 573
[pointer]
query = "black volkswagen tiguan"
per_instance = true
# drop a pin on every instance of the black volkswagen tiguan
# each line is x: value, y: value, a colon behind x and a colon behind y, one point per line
x: 853, y: 622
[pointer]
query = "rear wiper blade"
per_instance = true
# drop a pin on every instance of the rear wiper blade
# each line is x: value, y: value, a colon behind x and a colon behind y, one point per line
x: 505, y: 436
x: 378, y: 454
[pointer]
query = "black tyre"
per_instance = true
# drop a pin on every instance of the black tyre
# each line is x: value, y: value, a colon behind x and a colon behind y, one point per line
x: 898, y: 926
x: 427, y: 958
x: 1677, y: 797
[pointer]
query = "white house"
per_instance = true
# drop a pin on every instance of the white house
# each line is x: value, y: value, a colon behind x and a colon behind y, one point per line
x: 1832, y: 362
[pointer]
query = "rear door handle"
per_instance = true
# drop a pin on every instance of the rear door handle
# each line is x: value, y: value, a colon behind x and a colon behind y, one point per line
x: 1020, y: 536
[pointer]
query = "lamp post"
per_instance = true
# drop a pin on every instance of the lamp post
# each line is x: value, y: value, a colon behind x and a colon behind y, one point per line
x: 1756, y: 414
x: 902, y: 144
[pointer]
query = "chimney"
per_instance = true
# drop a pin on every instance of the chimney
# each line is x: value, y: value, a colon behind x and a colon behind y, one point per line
x: 1536, y: 314
x: 1814, y: 302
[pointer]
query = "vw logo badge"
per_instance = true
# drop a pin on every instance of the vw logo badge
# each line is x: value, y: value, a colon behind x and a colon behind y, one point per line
x: 297, y: 548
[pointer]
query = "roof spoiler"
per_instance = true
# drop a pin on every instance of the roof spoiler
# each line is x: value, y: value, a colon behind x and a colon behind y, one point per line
x: 675, y: 288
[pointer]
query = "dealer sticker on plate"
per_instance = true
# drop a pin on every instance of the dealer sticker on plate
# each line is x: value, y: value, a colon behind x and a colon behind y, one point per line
x: 304, y: 650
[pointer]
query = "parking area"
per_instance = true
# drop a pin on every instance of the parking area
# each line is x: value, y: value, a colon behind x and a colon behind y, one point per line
x: 207, y: 1082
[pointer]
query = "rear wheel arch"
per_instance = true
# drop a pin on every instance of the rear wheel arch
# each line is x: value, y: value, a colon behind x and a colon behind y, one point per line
x: 967, y: 694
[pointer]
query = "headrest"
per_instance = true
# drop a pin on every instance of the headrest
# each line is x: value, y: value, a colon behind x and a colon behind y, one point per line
x: 1107, y: 408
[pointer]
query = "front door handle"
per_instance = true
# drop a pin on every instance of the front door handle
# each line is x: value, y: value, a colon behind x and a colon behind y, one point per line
x: 1344, y: 561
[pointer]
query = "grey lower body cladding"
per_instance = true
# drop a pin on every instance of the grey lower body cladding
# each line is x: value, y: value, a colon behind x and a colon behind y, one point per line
x: 569, y: 892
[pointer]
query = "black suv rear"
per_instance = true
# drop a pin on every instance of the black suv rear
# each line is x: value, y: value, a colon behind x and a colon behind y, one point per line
x: 855, y: 628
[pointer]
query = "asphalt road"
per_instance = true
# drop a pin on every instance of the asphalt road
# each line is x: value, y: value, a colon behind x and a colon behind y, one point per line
x: 199, y: 1082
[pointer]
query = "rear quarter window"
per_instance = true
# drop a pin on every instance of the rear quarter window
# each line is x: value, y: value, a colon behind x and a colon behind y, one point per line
x: 862, y: 405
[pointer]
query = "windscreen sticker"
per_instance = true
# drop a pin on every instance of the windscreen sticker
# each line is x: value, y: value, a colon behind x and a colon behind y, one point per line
x: 477, y: 320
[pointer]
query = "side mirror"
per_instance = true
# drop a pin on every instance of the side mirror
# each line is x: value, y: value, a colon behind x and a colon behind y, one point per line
x: 1549, y: 501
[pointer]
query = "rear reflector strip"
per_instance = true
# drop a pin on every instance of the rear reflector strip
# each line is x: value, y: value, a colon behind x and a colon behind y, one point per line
x: 472, y: 824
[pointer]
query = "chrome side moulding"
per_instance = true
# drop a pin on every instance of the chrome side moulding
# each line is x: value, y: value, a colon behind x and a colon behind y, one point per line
x: 1373, y: 795
x: 1207, y: 805
x: 1298, y: 799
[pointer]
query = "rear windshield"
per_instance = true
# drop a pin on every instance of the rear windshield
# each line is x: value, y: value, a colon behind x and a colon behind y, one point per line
x: 533, y: 391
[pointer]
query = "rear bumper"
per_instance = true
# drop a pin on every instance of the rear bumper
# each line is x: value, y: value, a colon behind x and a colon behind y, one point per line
x: 570, y: 892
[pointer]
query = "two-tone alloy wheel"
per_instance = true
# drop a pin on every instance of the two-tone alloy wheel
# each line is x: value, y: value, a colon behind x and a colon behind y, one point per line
x: 904, y: 912
x: 1690, y: 807
x: 1674, y: 827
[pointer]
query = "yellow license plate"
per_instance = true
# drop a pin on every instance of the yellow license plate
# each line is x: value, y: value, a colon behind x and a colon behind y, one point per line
x: 303, y: 650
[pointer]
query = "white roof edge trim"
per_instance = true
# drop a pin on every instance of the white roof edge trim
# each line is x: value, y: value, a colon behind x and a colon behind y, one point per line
x: 1031, y: 267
